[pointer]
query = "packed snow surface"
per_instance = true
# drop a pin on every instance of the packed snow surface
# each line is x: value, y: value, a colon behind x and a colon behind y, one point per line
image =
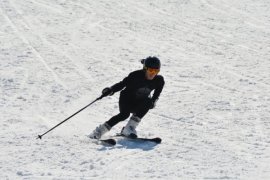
x: 213, y: 114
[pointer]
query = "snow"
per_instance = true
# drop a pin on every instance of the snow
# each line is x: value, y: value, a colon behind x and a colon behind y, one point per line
x: 213, y: 114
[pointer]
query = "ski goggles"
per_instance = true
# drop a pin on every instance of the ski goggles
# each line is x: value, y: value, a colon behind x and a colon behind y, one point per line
x: 152, y: 70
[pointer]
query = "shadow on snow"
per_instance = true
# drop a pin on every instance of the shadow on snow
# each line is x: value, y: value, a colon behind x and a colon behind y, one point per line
x: 133, y: 144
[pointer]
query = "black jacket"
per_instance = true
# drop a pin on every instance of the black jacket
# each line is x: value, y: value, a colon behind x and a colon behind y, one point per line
x: 138, y: 87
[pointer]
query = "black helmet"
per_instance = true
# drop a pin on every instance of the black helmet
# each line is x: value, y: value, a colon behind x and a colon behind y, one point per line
x: 151, y: 62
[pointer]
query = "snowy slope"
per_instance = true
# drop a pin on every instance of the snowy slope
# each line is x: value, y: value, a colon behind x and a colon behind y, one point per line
x: 213, y: 115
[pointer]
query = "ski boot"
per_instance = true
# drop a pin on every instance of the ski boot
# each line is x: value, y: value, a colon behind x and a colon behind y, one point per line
x: 99, y: 131
x: 130, y: 129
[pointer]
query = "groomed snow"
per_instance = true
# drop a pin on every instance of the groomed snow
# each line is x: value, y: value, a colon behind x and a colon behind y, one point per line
x: 213, y: 114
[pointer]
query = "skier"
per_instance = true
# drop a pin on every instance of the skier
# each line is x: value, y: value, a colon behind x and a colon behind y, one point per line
x: 135, y: 98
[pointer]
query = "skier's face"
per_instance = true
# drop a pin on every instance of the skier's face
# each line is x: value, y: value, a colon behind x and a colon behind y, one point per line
x: 151, y: 73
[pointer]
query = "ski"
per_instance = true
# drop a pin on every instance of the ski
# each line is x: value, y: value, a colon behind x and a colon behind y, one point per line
x: 156, y: 140
x: 104, y: 142
x: 110, y: 142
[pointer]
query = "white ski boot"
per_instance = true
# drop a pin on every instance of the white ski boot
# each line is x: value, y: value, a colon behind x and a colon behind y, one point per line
x: 99, y: 131
x: 130, y: 129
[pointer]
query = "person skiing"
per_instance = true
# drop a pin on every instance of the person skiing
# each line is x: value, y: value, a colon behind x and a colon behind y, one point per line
x: 135, y: 97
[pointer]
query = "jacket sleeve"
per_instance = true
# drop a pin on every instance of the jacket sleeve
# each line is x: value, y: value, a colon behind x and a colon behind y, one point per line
x: 120, y: 85
x: 158, y: 90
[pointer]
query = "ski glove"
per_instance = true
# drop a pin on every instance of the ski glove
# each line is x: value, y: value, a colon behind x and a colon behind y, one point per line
x: 107, y: 91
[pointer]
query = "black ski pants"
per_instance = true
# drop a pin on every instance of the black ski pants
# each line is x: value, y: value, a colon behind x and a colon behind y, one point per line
x: 138, y: 107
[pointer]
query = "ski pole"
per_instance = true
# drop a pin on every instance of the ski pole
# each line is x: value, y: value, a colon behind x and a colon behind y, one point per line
x: 40, y: 136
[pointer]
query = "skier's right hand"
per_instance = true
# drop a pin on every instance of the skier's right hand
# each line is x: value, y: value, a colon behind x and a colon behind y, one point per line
x: 107, y: 91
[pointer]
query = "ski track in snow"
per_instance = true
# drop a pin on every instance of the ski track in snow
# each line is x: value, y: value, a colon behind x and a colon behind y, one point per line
x: 213, y: 114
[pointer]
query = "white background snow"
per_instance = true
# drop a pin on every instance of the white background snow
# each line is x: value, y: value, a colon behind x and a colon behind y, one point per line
x: 213, y: 114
